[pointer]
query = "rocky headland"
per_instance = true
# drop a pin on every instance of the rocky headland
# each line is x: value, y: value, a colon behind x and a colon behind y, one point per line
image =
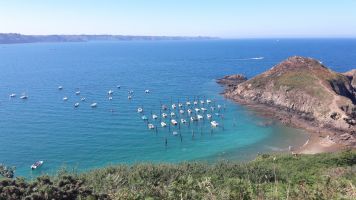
x: 304, y: 93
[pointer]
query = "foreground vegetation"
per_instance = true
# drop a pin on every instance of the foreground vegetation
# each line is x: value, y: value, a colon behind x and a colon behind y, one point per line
x: 322, y: 176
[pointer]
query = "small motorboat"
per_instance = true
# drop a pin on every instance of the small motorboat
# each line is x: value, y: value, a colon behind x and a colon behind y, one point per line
x: 151, y: 126
x: 129, y: 97
x: 183, y: 121
x: 82, y: 99
x: 202, y: 102
x: 60, y: 87
x: 197, y: 109
x: 175, y: 133
x: 76, y: 105
x: 77, y: 93
x: 181, y: 111
x: 139, y: 110
x: 163, y: 124
x: 200, y: 117
x: 208, y: 116
x: 208, y: 101
x: 93, y: 105
x: 12, y: 95
x: 65, y: 98
x: 164, y: 107
x: 110, y: 92
x: 189, y: 111
x: 195, y: 102
x: 110, y: 98
x: 24, y: 97
x: 37, y: 164
x: 173, y: 114
x: 164, y: 115
x: 174, y: 122
x: 214, y: 124
x: 118, y: 86
x: 154, y: 116
x: 147, y: 91
x: 188, y: 103
x: 144, y: 117
x: 212, y: 108
x: 174, y: 106
x: 203, y: 109
x: 130, y: 92
x: 180, y: 105
x: 219, y: 106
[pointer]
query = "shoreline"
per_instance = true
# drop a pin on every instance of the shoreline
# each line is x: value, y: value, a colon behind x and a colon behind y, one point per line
x: 320, y: 139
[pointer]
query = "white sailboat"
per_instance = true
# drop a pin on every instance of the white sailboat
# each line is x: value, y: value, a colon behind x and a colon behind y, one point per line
x: 174, y: 122
x: 151, y: 126
x: 163, y: 124
x: 139, y: 110
x: 214, y: 124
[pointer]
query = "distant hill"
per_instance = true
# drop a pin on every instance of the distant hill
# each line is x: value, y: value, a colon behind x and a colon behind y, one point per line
x: 13, y: 38
x: 305, y: 88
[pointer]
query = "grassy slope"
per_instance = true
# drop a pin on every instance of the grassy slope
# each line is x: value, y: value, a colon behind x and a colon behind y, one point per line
x: 322, y: 176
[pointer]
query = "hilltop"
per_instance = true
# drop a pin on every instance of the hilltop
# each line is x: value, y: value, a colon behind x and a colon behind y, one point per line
x: 13, y: 38
x: 303, y: 92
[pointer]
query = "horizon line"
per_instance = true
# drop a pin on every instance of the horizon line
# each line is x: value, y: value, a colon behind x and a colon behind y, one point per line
x: 186, y: 36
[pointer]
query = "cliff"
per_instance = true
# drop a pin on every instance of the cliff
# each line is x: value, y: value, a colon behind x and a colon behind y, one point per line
x: 304, y: 87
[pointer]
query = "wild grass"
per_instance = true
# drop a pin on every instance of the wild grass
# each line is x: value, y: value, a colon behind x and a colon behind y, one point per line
x: 321, y: 176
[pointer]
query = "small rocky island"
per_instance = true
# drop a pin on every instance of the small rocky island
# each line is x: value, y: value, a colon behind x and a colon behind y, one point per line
x: 302, y: 92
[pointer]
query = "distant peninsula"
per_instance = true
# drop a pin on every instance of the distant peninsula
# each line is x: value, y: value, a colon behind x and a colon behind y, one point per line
x: 302, y: 92
x: 14, y: 38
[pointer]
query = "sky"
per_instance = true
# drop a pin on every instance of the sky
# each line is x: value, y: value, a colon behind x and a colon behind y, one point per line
x: 218, y: 18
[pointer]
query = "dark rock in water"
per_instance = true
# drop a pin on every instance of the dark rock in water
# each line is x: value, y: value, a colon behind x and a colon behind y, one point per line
x: 7, y: 172
x: 232, y: 80
x: 303, y: 87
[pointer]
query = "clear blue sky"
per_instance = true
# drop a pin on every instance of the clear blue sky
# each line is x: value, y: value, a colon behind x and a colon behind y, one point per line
x: 222, y: 18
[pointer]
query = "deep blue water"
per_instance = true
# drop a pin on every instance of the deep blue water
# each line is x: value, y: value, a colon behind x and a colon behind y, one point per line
x: 44, y: 127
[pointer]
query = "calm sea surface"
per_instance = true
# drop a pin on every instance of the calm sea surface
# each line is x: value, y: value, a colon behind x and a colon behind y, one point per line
x: 44, y: 127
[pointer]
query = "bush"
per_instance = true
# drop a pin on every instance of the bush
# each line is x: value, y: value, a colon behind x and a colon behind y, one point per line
x: 321, y: 176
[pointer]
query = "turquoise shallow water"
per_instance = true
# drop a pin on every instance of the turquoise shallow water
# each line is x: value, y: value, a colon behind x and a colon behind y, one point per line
x: 44, y: 127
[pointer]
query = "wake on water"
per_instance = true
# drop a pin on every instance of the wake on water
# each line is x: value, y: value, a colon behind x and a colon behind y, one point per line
x: 256, y: 58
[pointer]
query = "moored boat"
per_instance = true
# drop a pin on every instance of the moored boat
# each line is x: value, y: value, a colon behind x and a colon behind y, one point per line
x: 163, y: 124
x: 214, y: 124
x: 37, y: 164
x: 151, y: 126
x: 174, y: 122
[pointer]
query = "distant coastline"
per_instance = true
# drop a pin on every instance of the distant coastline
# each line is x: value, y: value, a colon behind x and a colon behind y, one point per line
x: 16, y: 38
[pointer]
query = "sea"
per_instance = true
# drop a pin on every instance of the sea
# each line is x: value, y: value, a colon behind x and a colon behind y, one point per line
x: 45, y: 127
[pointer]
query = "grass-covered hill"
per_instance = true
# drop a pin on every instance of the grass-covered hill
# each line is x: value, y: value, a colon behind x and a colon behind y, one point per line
x: 304, y: 87
x: 321, y: 176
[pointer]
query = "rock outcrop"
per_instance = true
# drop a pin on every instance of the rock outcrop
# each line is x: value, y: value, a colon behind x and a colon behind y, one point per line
x: 304, y: 87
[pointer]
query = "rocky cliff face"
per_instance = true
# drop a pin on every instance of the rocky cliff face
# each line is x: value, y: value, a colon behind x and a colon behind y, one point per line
x: 305, y: 87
